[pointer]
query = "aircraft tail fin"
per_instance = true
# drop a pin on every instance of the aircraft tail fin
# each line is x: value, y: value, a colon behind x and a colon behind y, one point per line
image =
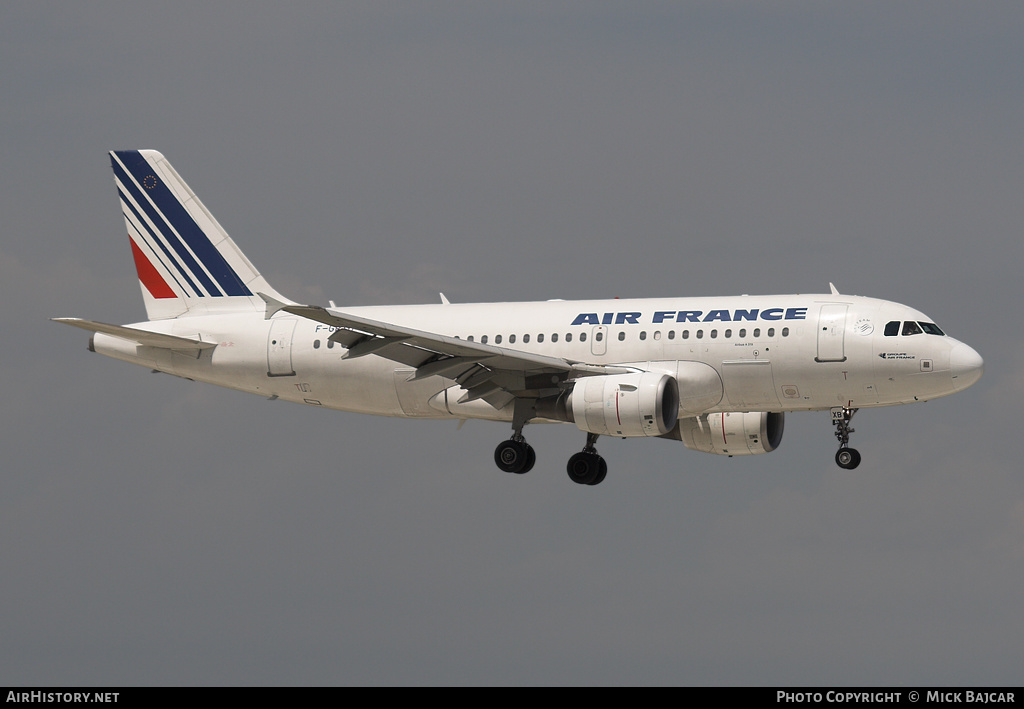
x: 186, y: 263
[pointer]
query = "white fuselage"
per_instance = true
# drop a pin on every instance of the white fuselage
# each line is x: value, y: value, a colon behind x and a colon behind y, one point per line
x: 742, y: 353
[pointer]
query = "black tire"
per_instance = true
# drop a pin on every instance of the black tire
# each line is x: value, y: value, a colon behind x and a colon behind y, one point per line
x: 531, y: 458
x: 602, y: 472
x: 513, y: 456
x: 584, y: 468
x: 847, y: 458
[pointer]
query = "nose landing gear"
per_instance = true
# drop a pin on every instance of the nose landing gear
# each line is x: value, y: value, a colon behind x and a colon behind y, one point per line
x: 846, y: 457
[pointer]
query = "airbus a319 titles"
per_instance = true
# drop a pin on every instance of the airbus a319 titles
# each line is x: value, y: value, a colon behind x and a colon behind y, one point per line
x: 718, y: 374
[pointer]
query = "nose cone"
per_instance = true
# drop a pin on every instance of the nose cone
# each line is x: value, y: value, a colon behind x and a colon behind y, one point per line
x: 965, y: 365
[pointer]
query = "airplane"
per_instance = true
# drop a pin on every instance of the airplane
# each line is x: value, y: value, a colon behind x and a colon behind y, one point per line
x: 717, y: 373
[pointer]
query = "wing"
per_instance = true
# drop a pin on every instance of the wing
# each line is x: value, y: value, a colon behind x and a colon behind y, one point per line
x: 143, y: 337
x: 494, y: 374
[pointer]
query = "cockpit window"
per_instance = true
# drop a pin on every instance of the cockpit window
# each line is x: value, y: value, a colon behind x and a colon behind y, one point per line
x: 892, y: 328
x: 911, y: 328
x: 931, y: 328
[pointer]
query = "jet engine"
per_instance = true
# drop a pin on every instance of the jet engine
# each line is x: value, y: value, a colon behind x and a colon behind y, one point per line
x: 627, y: 405
x: 731, y: 433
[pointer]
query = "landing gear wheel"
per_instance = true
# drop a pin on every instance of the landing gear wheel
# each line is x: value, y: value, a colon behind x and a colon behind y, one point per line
x: 587, y: 468
x: 531, y: 458
x: 847, y: 458
x: 514, y: 456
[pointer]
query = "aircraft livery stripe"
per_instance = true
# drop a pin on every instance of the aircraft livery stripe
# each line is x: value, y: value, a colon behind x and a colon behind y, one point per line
x: 185, y: 261
x: 149, y: 276
x: 146, y: 241
x: 183, y: 223
x: 154, y: 256
x: 137, y: 221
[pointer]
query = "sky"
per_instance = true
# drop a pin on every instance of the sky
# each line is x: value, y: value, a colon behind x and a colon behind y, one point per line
x: 155, y: 531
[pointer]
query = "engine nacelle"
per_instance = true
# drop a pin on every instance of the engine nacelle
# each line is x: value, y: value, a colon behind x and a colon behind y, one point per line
x: 731, y: 433
x: 642, y: 404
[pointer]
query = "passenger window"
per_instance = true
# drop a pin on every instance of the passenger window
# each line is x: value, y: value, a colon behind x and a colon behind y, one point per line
x: 714, y: 334
x: 583, y: 336
x: 511, y: 339
x: 671, y: 334
x: 483, y: 340
x: 911, y: 328
x: 728, y: 333
x: 892, y: 328
x: 554, y: 337
x: 316, y: 344
x: 599, y: 336
x: 771, y: 332
x: 568, y: 337
x: 526, y: 339
x: 497, y: 339
x: 643, y: 335
x: 657, y: 335
x: 470, y: 338
x: 686, y: 334
x: 330, y: 344
x: 743, y: 332
x: 785, y: 332
x: 757, y: 332
x: 540, y: 337
x: 700, y: 334
x: 622, y: 335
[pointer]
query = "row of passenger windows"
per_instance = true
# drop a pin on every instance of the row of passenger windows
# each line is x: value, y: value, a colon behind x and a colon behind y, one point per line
x: 599, y: 336
x: 912, y: 328
x: 656, y: 335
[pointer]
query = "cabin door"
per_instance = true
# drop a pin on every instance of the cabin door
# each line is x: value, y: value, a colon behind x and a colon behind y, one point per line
x: 832, y: 333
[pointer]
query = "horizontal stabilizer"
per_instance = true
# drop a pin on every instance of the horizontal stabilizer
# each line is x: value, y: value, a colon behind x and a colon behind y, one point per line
x: 143, y: 337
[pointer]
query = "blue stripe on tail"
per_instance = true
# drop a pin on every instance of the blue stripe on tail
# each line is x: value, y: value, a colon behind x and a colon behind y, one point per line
x: 163, y: 209
x: 136, y: 220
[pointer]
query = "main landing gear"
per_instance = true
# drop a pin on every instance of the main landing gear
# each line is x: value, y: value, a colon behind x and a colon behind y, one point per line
x: 517, y: 456
x: 587, y: 467
x: 846, y: 458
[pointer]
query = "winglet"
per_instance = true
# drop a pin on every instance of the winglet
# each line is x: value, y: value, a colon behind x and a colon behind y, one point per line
x: 835, y: 291
x: 445, y: 301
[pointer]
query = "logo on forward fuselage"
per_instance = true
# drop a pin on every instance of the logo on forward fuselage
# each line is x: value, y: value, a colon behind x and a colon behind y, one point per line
x: 685, y: 316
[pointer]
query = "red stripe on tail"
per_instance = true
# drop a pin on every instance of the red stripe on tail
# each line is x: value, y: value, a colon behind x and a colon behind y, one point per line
x: 149, y: 276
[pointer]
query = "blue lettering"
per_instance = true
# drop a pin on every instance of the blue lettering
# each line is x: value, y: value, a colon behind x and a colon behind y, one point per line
x: 717, y: 315
x: 687, y: 316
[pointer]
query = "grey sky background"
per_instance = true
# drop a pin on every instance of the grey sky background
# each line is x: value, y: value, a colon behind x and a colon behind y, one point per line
x: 157, y: 531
